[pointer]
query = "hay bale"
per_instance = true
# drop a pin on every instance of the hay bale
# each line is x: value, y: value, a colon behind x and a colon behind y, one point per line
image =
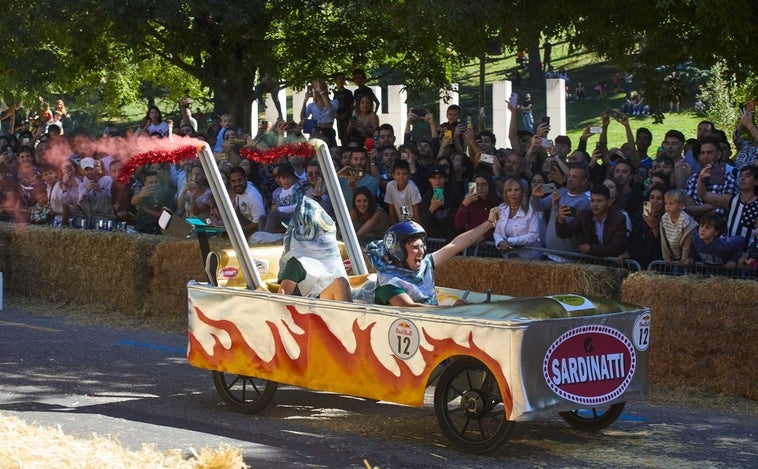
x: 27, y: 445
x: 529, y: 278
x: 5, y: 247
x: 108, y: 269
x: 704, y: 333
x: 173, y: 263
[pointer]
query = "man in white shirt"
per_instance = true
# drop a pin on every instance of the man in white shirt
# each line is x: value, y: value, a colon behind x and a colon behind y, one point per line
x: 248, y: 201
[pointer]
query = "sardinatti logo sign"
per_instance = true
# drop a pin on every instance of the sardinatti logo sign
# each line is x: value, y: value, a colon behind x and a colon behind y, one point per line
x: 590, y: 365
x: 228, y: 272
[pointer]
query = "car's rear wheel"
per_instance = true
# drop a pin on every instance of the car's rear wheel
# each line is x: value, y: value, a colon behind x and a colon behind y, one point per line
x: 244, y: 393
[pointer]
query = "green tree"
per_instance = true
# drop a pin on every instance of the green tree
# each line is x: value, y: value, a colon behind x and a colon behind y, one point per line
x: 102, y: 53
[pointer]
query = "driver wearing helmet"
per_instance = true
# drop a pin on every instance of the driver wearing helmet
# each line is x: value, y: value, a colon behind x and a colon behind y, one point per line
x: 405, y: 272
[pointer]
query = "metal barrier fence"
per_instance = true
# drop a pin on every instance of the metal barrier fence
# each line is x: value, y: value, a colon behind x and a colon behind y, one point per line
x: 698, y: 268
x: 488, y: 249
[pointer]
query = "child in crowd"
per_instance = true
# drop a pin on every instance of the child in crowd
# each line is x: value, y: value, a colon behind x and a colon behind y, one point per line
x: 676, y: 235
x: 403, y: 197
x: 225, y: 121
x: 750, y: 257
x: 284, y: 199
x: 711, y: 247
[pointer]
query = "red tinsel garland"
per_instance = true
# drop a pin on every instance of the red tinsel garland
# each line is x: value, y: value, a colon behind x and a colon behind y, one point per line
x: 152, y: 157
x: 303, y: 149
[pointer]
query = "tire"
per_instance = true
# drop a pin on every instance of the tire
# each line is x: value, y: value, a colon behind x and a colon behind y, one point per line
x: 594, y: 418
x: 243, y: 393
x: 469, y: 407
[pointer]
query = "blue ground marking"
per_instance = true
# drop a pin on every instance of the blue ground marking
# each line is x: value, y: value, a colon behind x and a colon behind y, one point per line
x: 631, y: 418
x: 586, y: 413
x: 163, y: 348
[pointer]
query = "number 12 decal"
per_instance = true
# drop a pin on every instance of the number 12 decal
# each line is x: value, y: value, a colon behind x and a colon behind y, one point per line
x: 404, y: 338
x: 642, y: 332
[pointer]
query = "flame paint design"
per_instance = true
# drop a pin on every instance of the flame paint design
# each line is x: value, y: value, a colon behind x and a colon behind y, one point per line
x: 324, y: 363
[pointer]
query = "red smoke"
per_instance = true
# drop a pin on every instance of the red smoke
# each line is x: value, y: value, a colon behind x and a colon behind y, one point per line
x: 120, y: 148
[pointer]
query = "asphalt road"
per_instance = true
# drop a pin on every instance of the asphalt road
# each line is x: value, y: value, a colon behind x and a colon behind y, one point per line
x: 137, y: 386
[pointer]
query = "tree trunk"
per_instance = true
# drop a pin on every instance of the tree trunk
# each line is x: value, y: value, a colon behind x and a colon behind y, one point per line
x: 535, y: 64
x: 234, y: 96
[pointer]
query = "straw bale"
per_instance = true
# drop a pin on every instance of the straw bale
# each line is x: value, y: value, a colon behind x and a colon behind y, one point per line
x: 31, y: 446
x: 173, y: 263
x: 80, y: 266
x: 529, y: 278
x: 5, y: 247
x: 704, y: 332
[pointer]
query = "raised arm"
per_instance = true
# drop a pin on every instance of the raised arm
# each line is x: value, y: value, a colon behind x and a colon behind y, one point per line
x: 464, y: 240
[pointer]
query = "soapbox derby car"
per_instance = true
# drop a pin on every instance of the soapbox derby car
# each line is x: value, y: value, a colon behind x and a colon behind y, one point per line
x: 492, y: 362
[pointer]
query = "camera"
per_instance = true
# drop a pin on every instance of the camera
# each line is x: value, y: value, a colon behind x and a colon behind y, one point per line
x: 596, y: 129
x: 485, y: 158
x: 573, y: 211
x: 238, y: 141
x: 546, y: 142
x: 612, y: 113
x: 547, y: 188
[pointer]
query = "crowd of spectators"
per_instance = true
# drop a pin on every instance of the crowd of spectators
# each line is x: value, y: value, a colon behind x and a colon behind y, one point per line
x: 687, y: 200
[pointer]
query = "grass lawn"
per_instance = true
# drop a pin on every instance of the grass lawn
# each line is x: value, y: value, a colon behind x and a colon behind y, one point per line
x: 581, y: 67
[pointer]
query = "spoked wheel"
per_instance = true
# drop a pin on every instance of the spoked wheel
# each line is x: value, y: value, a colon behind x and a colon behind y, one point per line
x: 243, y: 393
x: 469, y: 407
x: 594, y: 418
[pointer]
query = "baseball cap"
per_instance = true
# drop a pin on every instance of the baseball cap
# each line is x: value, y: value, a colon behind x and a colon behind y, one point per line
x: 436, y: 169
x: 87, y: 163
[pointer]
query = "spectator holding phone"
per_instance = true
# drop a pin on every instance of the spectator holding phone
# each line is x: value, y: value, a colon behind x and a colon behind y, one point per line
x: 476, y: 205
x: 601, y: 231
x: 718, y: 181
x: 644, y: 244
x: 525, y: 112
x: 573, y: 195
x: 452, y: 131
x: 344, y: 97
x: 746, y: 137
x: 742, y: 207
x: 364, y: 121
x: 438, y: 205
